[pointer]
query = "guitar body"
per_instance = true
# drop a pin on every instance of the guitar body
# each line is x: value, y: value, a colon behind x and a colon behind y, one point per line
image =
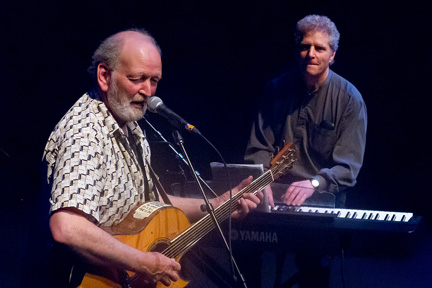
x: 153, y: 233
x: 156, y: 227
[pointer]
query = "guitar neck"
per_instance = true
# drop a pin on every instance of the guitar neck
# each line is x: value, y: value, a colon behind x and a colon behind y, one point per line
x: 193, y: 234
x: 179, y: 245
x: 223, y: 211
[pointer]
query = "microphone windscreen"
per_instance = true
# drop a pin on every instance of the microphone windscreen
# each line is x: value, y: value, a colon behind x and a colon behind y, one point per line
x: 153, y: 103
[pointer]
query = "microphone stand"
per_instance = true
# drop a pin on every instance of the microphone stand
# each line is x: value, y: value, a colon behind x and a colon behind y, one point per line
x: 209, y: 207
x: 181, y: 157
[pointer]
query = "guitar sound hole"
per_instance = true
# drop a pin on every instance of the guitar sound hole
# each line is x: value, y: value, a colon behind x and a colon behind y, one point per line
x: 160, y: 245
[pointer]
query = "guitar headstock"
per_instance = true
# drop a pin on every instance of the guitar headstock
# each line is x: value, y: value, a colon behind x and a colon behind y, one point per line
x: 283, y: 161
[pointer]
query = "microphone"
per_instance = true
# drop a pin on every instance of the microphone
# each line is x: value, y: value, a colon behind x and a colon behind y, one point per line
x: 156, y: 105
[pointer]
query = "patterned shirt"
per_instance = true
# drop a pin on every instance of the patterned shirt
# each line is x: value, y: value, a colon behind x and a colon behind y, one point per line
x: 91, y: 165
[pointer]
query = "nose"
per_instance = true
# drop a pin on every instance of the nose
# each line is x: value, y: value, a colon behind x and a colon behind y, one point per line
x: 145, y: 88
x: 311, y: 52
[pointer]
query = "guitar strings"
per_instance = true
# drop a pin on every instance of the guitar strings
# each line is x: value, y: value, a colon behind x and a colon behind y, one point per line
x: 179, y: 245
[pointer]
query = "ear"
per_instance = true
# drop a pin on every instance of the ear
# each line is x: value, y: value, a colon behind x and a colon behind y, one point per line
x: 332, y: 57
x: 103, y: 76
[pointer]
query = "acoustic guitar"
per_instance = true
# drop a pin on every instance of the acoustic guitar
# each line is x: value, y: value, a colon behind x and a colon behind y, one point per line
x: 157, y: 227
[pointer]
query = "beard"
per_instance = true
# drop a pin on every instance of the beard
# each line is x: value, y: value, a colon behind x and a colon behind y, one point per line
x: 120, y: 105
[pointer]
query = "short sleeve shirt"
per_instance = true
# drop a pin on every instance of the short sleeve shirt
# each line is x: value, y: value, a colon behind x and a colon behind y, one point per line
x: 91, y: 165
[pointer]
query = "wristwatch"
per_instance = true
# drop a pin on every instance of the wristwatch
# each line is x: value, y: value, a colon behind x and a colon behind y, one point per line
x: 315, y: 183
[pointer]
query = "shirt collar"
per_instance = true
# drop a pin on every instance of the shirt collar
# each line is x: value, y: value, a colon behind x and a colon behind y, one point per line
x: 325, y: 84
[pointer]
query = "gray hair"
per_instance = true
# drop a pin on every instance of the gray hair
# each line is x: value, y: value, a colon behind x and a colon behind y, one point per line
x: 109, y: 50
x: 318, y: 23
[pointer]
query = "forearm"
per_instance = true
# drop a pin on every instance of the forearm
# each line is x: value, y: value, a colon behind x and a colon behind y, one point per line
x: 190, y: 206
x: 93, y: 244
x: 347, y: 158
x: 348, y: 152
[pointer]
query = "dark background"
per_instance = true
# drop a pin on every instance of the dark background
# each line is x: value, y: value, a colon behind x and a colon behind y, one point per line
x: 217, y: 55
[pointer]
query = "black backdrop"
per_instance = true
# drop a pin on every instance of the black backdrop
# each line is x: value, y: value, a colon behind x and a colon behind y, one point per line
x: 216, y: 57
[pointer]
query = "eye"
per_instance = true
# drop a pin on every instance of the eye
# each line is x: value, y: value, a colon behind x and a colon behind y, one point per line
x: 135, y: 79
x: 304, y: 47
x: 154, y: 81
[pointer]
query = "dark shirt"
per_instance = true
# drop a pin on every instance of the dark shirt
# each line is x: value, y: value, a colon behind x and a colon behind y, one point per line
x: 327, y: 128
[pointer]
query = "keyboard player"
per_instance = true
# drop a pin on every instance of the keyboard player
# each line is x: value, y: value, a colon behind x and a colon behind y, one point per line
x: 324, y: 116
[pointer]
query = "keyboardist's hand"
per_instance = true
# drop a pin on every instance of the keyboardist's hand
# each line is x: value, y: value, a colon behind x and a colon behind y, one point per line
x: 269, y: 193
x: 298, y: 192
